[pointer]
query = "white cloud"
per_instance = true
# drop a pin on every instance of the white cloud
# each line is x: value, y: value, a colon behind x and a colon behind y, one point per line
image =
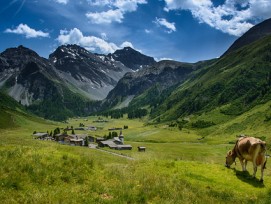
x: 106, y: 16
x: 147, y: 31
x: 164, y: 58
x: 104, y: 36
x: 128, y: 5
x: 232, y: 17
x: 24, y: 29
x: 117, y: 10
x: 62, y: 1
x: 127, y: 44
x: 163, y: 22
x: 91, y: 43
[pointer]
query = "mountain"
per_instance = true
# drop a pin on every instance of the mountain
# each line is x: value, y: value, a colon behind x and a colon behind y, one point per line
x: 234, y: 83
x: 26, y: 76
x: 253, y: 34
x: 33, y: 81
x: 64, y: 85
x: 131, y: 58
x: 94, y: 75
x: 157, y: 78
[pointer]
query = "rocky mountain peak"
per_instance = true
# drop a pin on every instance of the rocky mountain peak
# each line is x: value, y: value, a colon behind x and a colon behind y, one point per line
x: 132, y: 58
x: 19, y: 51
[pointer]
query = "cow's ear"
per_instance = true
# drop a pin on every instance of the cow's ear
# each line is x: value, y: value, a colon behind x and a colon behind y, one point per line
x: 230, y: 152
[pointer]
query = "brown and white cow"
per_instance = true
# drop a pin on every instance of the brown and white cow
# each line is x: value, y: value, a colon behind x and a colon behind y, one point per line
x: 248, y: 149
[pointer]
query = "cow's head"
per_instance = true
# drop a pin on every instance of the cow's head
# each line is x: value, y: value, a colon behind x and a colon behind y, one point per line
x: 230, y: 159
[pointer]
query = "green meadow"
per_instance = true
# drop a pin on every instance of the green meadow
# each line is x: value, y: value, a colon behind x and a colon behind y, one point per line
x: 179, y: 166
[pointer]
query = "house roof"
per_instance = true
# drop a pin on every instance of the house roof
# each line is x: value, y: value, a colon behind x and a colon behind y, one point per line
x: 117, y: 139
x: 40, y: 134
x: 107, y: 142
x: 76, y: 140
x: 124, y: 146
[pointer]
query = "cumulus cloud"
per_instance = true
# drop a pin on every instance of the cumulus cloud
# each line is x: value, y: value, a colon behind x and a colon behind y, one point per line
x: 28, y: 32
x: 126, y: 44
x: 91, y: 43
x: 106, y: 16
x: 233, y: 17
x: 164, y: 23
x: 116, y: 12
x: 62, y: 1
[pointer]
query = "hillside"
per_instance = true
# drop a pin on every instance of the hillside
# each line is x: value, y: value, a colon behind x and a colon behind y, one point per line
x: 235, y: 83
x: 257, y: 32
x: 150, y: 82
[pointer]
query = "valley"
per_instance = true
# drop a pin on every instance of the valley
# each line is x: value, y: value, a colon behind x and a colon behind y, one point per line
x: 186, y: 115
x: 177, y: 166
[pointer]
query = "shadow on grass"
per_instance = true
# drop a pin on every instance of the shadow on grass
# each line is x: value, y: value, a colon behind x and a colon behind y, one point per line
x: 246, y: 177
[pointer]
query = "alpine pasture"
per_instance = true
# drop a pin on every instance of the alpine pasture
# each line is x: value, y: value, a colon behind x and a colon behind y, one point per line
x: 179, y: 166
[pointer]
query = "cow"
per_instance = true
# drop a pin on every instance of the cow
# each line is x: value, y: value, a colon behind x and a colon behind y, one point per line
x: 248, y: 149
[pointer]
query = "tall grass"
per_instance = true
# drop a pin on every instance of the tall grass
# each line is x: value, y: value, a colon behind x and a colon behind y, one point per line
x: 176, y: 168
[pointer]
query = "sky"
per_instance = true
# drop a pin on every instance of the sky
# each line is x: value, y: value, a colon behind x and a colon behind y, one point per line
x: 181, y: 30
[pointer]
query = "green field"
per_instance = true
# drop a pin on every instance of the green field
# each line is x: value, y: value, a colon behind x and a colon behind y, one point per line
x: 177, y: 167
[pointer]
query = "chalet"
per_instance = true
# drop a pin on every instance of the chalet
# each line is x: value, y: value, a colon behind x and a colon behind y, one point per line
x: 108, y: 143
x: 79, y: 128
x: 68, y: 129
x: 124, y: 147
x: 100, y: 121
x: 60, y: 137
x: 77, y: 142
x: 141, y: 149
x: 91, y: 139
x: 115, y: 143
x: 99, y: 139
x: 92, y: 128
x: 40, y: 135
x: 110, y: 129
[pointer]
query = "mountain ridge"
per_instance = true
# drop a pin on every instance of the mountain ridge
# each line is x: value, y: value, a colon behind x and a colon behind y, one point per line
x: 253, y: 34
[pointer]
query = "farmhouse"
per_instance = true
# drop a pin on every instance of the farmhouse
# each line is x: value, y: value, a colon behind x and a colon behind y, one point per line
x: 79, y: 128
x: 141, y: 149
x: 124, y: 147
x: 108, y: 143
x: 60, y: 137
x: 115, y: 143
x: 100, y: 121
x: 40, y: 135
x: 93, y: 128
x: 99, y: 139
x: 114, y: 128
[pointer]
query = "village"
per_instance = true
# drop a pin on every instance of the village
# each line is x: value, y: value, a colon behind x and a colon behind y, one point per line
x: 87, y: 137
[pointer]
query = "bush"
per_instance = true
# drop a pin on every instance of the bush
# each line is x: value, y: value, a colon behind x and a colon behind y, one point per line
x: 202, y: 124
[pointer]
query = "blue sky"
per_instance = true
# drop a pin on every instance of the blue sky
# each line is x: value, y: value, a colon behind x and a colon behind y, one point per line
x: 182, y: 30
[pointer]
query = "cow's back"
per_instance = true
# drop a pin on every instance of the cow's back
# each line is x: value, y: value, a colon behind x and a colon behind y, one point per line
x: 250, y: 147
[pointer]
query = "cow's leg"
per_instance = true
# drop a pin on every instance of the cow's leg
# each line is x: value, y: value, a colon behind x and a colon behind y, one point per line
x: 254, y: 165
x: 262, y: 169
x: 242, y: 164
x: 255, y: 170
x: 245, y: 165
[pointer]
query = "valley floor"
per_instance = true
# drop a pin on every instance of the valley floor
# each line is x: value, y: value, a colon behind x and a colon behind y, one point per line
x: 177, y: 167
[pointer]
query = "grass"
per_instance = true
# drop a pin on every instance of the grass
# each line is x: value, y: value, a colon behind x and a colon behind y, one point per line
x: 176, y: 167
